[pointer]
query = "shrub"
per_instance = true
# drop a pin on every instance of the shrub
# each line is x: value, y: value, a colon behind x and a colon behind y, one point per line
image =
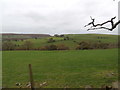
x: 104, y: 45
x: 62, y: 47
x: 100, y: 45
x: 50, y: 47
x: 43, y: 48
x: 113, y: 45
x: 83, y: 45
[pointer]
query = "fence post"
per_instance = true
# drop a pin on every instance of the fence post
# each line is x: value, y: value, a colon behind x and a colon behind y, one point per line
x: 31, y: 77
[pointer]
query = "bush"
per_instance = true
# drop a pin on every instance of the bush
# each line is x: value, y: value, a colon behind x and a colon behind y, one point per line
x: 43, y: 48
x: 113, y: 45
x: 104, y: 45
x: 62, y: 47
x: 100, y: 45
x: 83, y: 45
x: 50, y: 47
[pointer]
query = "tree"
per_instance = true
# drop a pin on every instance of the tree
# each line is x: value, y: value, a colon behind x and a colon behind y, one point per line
x: 27, y: 45
x: 101, y: 26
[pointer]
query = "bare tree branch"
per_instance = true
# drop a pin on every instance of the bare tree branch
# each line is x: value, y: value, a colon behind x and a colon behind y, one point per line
x: 100, y: 26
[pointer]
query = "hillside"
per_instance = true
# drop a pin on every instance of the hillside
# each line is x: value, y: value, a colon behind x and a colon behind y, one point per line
x: 70, y: 40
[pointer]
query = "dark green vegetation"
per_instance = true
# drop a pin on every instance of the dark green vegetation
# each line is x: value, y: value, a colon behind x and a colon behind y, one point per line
x: 62, y: 68
x: 70, y: 41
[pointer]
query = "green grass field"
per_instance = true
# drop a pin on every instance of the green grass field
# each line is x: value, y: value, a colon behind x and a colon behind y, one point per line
x: 74, y: 69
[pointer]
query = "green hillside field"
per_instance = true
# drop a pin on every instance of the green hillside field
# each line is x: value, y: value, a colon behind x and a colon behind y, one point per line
x: 73, y: 41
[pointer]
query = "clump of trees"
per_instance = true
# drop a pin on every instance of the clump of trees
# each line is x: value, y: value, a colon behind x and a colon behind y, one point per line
x: 8, y: 45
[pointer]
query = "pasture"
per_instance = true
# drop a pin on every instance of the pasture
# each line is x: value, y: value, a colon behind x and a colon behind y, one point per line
x: 73, y: 68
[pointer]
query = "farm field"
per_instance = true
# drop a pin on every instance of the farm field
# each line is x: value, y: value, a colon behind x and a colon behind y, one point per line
x: 72, y: 68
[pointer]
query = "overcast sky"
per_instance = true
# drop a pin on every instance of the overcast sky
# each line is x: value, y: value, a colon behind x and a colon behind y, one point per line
x: 55, y: 16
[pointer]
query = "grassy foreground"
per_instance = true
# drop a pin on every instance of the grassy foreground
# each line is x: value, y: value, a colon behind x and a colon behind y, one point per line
x: 61, y: 68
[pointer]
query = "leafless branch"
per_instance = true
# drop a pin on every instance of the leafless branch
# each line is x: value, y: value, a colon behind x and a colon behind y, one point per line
x: 100, y: 26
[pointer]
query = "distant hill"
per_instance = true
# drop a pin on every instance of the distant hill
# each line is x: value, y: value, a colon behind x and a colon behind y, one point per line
x: 13, y: 36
